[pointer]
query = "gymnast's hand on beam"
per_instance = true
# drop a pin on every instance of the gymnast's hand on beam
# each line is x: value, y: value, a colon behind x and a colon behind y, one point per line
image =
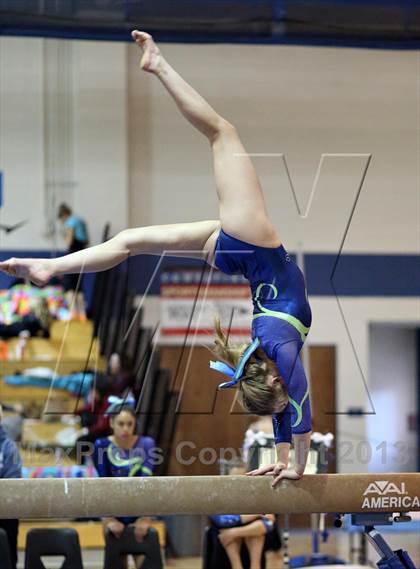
x: 287, y: 473
x: 278, y: 470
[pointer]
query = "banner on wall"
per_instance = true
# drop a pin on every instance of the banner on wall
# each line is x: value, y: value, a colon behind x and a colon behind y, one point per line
x: 190, y: 300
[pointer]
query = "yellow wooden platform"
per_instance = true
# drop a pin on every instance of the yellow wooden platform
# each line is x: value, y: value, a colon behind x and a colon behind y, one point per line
x: 90, y: 533
x: 34, y: 399
x: 38, y: 432
x: 69, y: 349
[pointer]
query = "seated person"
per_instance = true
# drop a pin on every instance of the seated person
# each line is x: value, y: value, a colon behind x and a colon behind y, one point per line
x: 13, y: 422
x: 126, y: 454
x: 10, y: 467
x: 258, y: 532
x: 121, y: 373
x: 34, y: 319
x: 93, y: 418
x: 234, y: 530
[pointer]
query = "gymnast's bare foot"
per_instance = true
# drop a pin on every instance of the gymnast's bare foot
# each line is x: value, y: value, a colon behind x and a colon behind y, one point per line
x: 36, y: 270
x: 152, y: 59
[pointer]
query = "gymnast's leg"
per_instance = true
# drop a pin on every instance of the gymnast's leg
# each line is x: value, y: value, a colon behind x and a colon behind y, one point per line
x: 255, y: 547
x: 233, y: 551
x: 181, y: 239
x: 242, y: 208
x: 253, y: 533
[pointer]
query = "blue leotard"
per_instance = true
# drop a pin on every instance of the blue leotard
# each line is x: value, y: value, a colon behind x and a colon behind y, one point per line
x: 281, y: 320
x: 112, y: 461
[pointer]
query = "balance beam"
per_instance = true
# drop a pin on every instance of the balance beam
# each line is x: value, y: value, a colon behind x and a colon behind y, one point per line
x: 92, y: 497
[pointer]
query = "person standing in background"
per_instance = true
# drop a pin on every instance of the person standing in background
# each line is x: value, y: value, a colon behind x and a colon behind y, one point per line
x: 76, y: 237
x: 10, y: 467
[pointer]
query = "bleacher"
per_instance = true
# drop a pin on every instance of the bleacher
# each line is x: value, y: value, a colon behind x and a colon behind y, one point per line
x: 82, y: 347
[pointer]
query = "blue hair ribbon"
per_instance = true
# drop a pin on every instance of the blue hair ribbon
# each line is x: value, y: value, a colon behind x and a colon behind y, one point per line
x: 117, y: 403
x: 235, y: 374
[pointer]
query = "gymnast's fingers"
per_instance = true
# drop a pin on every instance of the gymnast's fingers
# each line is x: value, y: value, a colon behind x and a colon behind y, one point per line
x: 287, y: 473
x: 278, y: 468
x: 261, y: 471
x: 277, y: 479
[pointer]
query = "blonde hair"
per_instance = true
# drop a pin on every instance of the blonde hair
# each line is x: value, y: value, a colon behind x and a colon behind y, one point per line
x: 256, y: 395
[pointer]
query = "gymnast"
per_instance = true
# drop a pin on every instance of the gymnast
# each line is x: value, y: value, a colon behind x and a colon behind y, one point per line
x: 268, y: 371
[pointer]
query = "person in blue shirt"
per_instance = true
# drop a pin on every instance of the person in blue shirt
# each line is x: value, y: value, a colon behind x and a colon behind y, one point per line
x: 125, y: 454
x: 10, y: 467
x: 76, y: 238
x: 268, y: 371
x: 76, y: 235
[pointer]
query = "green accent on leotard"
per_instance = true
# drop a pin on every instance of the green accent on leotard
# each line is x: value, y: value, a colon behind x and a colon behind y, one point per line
x: 298, y: 407
x: 136, y: 463
x: 295, y: 322
x: 138, y: 467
